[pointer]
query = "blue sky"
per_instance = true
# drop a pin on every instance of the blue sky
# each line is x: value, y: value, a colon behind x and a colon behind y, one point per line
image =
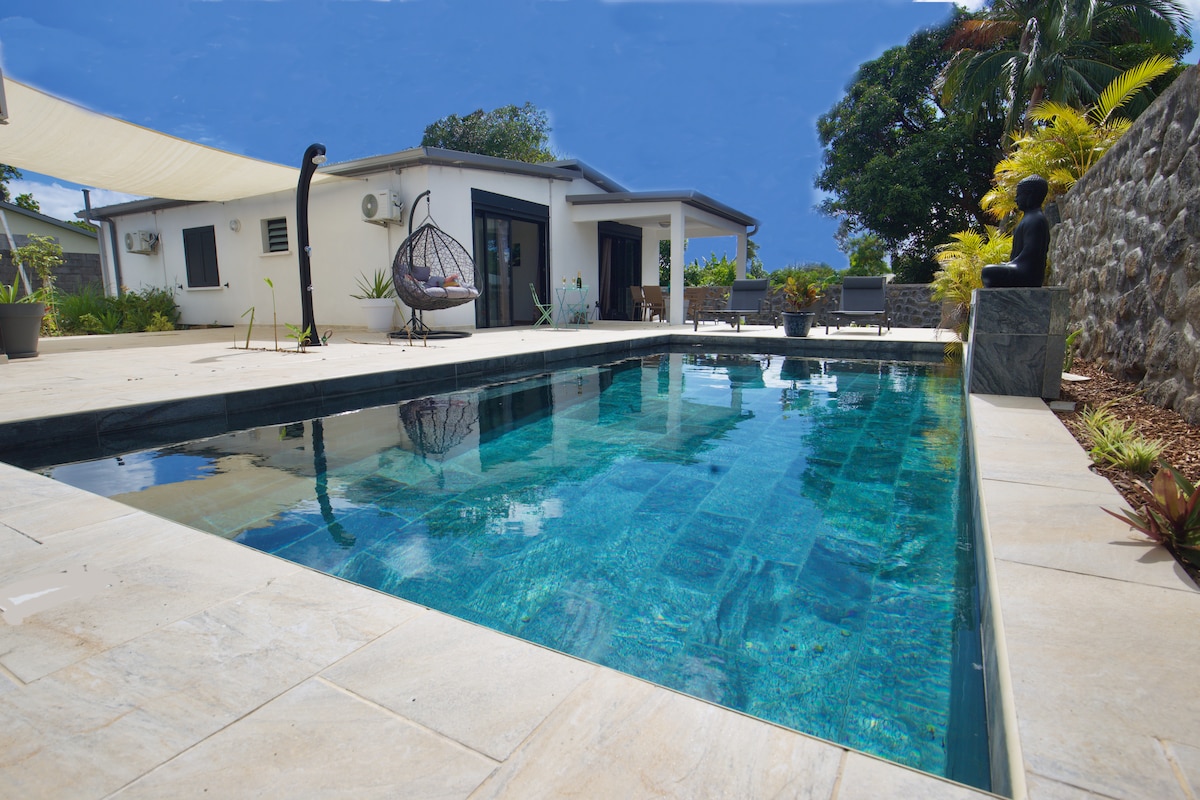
x: 720, y: 97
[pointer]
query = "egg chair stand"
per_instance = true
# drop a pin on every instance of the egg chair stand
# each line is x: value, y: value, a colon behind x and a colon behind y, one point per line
x: 431, y: 271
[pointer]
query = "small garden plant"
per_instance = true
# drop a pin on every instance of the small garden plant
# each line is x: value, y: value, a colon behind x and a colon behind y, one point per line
x: 1169, y: 514
x: 1118, y: 444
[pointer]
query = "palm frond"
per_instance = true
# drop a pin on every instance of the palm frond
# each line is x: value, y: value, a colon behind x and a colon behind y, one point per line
x: 1128, y: 84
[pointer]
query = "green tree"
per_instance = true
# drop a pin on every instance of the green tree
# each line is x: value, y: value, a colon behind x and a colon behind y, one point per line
x: 817, y: 269
x: 7, y: 174
x: 1017, y: 54
x: 868, y: 255
x: 27, y: 202
x: 521, y: 133
x: 899, y: 164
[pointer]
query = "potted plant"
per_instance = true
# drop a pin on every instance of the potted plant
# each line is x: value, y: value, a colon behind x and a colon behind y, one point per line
x: 801, y: 291
x: 377, y: 300
x: 22, y: 316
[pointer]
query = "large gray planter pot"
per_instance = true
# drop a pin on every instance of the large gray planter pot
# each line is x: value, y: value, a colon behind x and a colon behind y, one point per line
x: 20, y: 326
x: 797, y: 323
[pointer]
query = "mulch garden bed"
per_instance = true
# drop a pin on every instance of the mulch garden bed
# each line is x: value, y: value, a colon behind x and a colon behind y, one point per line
x: 1123, y: 398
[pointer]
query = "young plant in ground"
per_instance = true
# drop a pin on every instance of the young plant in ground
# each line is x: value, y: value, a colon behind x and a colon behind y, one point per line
x: 1069, y: 350
x: 301, y: 336
x: 1170, y: 513
x: 274, y: 316
x: 249, y: 327
x: 1118, y: 444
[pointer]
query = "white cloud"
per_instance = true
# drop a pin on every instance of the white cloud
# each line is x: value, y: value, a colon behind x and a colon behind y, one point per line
x: 61, y: 202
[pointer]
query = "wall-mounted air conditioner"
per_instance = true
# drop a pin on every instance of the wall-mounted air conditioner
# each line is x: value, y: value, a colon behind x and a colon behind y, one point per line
x: 140, y: 241
x: 382, y: 208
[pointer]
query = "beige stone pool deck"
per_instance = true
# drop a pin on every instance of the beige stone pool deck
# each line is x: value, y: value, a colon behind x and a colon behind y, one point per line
x: 198, y: 667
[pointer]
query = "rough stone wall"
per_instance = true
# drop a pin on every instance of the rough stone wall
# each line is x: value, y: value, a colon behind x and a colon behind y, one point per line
x: 1128, y: 250
x: 909, y: 305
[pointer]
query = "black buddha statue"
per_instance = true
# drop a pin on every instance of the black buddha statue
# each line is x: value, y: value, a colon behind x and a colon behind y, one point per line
x: 1031, y: 241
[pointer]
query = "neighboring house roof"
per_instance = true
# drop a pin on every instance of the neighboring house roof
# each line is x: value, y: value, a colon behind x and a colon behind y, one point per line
x: 14, y: 210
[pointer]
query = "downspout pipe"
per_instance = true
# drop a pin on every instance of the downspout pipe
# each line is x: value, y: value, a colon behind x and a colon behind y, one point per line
x: 313, y: 157
x: 116, y: 254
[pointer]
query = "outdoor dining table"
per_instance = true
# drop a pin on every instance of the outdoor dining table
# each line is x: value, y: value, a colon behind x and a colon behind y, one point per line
x: 572, y: 306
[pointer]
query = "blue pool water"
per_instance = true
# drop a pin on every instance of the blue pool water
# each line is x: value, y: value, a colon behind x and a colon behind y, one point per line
x: 776, y: 535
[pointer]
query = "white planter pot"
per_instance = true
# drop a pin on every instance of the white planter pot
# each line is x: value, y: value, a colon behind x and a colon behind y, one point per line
x: 379, y: 312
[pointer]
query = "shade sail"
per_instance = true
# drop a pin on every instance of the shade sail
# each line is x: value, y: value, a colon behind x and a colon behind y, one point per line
x: 55, y: 137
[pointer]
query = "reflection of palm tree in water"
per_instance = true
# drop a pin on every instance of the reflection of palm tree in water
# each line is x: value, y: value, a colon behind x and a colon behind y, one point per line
x: 339, y: 534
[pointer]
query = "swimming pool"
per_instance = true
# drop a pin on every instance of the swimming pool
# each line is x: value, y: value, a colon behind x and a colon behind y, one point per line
x: 776, y: 535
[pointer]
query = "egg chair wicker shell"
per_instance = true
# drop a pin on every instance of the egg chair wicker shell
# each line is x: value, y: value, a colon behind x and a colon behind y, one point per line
x: 423, y: 263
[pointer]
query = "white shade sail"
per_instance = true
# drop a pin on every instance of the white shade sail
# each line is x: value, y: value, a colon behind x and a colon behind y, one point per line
x: 54, y: 137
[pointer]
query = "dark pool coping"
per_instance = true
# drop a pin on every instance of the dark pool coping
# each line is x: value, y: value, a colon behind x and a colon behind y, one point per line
x: 107, y: 431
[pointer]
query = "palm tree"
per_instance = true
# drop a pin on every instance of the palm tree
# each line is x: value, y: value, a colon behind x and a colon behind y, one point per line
x: 1020, y: 53
x: 962, y: 261
x: 1066, y: 142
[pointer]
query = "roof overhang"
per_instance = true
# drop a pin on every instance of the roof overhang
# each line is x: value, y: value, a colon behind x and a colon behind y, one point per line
x: 702, y: 215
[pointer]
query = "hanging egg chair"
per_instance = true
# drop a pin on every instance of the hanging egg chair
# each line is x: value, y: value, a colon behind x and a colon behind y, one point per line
x: 431, y: 271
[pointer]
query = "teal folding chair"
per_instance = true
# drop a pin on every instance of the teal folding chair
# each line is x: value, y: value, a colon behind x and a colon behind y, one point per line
x: 545, y: 309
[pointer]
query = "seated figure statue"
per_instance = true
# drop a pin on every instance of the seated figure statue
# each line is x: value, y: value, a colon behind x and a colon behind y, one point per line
x: 1031, y: 240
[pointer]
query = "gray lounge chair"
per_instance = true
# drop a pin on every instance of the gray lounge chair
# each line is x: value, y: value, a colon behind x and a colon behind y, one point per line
x: 863, y: 298
x: 746, y: 298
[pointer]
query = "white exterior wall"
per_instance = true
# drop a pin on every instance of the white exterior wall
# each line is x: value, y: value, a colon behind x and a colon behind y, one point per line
x: 343, y: 246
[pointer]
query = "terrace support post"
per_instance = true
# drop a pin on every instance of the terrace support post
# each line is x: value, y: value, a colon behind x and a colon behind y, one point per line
x: 313, y: 157
x: 675, y: 312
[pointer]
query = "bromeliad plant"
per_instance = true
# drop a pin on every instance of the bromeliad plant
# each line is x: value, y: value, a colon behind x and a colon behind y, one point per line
x: 1170, y: 513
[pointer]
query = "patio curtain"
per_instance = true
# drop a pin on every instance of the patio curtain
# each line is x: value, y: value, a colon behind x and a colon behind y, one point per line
x: 54, y: 137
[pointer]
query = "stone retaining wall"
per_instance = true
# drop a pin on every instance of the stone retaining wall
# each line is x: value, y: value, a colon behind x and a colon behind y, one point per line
x: 1128, y: 250
x: 909, y: 305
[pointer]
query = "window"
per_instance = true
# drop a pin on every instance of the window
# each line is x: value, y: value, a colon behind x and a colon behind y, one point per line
x: 200, y: 256
x: 275, y: 235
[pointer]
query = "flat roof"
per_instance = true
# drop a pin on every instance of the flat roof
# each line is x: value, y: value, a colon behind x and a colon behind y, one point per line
x: 685, y: 196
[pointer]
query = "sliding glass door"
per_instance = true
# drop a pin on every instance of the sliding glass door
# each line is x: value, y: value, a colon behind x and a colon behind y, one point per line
x: 510, y: 254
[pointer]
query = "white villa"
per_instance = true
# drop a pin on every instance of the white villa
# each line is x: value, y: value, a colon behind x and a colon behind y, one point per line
x: 524, y: 223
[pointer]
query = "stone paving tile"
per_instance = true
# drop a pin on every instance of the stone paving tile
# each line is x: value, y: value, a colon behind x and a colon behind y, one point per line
x: 1094, y: 687
x: 317, y: 740
x: 867, y: 778
x: 617, y: 736
x: 1067, y: 529
x: 159, y: 573
x: 473, y: 685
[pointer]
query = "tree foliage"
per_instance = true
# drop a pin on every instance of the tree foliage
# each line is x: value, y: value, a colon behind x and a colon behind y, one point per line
x: 27, y: 202
x: 1065, y: 142
x: 7, y: 174
x: 868, y: 255
x: 897, y: 164
x: 521, y: 133
x: 1017, y: 54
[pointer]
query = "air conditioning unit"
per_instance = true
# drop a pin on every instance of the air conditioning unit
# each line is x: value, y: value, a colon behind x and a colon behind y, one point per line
x: 382, y: 208
x: 140, y: 241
